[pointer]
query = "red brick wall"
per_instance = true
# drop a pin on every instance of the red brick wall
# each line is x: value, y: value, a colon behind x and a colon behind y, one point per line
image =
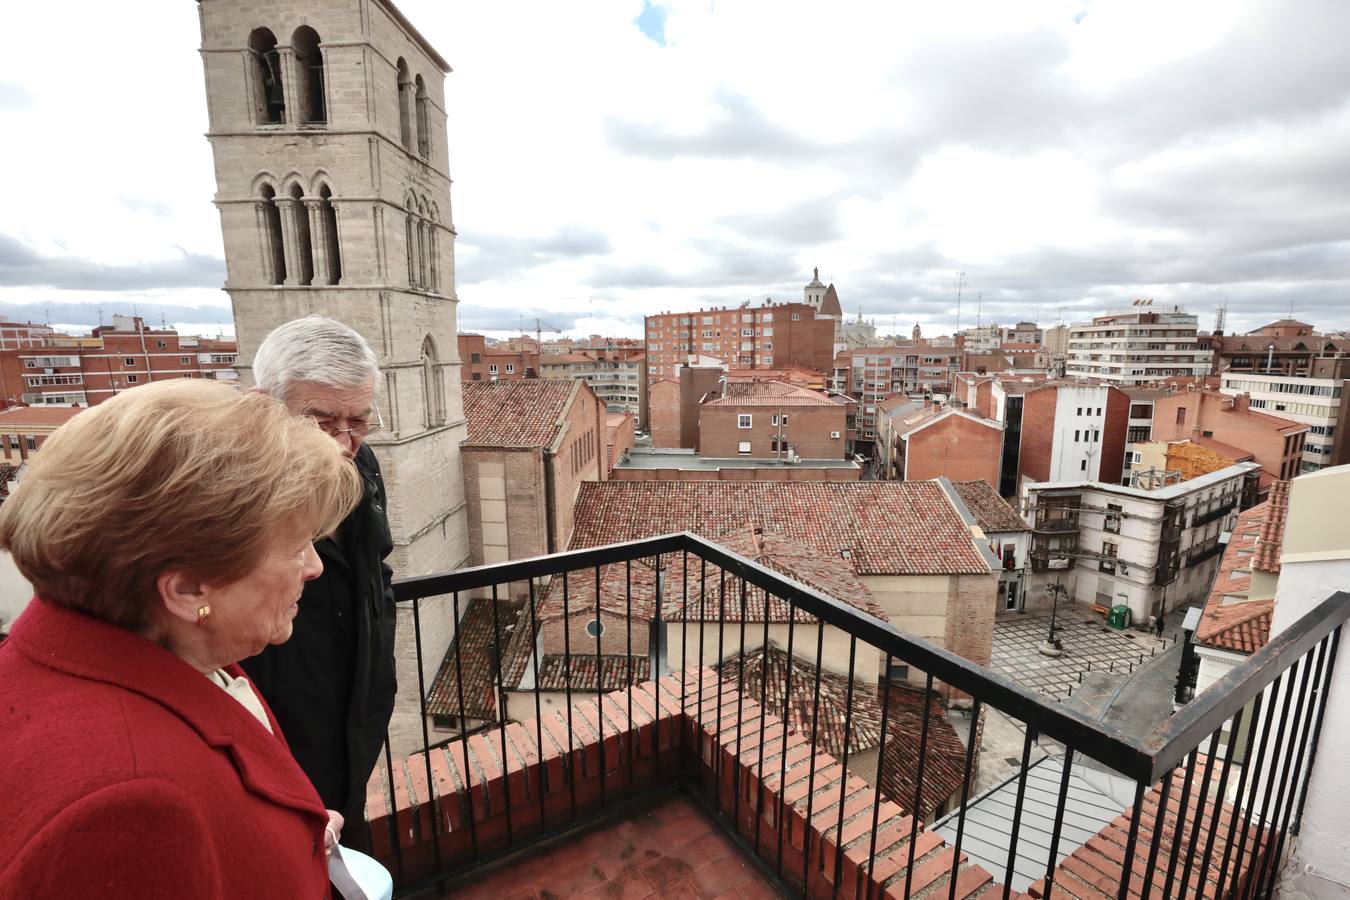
x: 581, y: 457
x: 808, y: 430
x: 1038, y: 434
x: 663, y: 413
x: 695, y: 383
x: 1205, y: 411
x: 984, y: 399
x: 619, y: 438
x: 955, y: 447
x: 1113, y: 435
x: 471, y: 344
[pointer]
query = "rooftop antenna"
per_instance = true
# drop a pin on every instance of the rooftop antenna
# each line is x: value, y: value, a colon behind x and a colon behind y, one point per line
x: 960, y: 283
x: 100, y: 315
x: 1220, y: 315
x: 162, y: 323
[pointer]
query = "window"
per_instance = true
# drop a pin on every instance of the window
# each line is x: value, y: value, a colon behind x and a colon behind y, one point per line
x: 14, y: 442
x: 1099, y: 410
x: 269, y: 101
x: 1113, y: 516
x: 796, y: 317
x: 406, y: 99
x: 475, y: 357
x: 595, y: 628
x: 743, y: 420
x: 1181, y: 415
x: 30, y: 364
x: 185, y: 360
x: 309, y: 75
x: 300, y: 228
x: 743, y: 447
x: 1082, y: 465
x: 128, y: 361
x: 492, y: 369
x: 477, y: 376
x: 1080, y: 411
x: 160, y: 345
x: 1137, y: 434
x: 1108, y: 561
x: 510, y: 367
x: 1076, y: 433
x: 132, y: 379
x: 329, y: 238
x: 423, y: 104
x: 30, y: 442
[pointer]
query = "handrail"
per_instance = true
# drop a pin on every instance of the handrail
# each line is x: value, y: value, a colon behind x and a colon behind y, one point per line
x: 1145, y: 759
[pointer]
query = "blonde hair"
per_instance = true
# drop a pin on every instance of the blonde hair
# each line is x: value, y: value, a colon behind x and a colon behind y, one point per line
x: 186, y: 475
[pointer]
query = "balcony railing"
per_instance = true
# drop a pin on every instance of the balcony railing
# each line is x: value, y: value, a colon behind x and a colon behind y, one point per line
x: 1214, y: 514
x: 1200, y: 554
x: 579, y: 724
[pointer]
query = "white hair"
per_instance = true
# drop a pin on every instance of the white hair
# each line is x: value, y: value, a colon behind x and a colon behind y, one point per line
x: 317, y: 349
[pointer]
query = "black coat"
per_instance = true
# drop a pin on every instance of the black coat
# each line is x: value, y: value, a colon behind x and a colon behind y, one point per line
x: 332, y: 684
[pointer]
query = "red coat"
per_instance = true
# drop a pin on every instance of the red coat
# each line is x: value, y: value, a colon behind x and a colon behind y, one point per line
x: 124, y: 772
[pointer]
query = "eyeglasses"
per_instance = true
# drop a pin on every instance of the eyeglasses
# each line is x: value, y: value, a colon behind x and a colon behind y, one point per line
x: 357, y: 427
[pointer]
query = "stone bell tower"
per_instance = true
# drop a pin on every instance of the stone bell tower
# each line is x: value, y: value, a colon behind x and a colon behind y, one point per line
x: 328, y: 128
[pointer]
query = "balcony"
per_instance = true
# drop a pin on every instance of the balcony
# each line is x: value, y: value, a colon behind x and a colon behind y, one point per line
x: 1056, y: 521
x: 1198, y: 555
x: 1214, y: 514
x: 659, y: 753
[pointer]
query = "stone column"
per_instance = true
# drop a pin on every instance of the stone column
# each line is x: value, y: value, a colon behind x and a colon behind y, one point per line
x: 318, y: 239
x: 269, y: 272
x: 290, y: 239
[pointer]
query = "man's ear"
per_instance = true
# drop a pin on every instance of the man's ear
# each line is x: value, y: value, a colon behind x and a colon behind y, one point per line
x: 182, y: 595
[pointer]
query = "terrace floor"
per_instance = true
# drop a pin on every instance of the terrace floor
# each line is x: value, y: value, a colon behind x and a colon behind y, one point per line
x: 667, y: 847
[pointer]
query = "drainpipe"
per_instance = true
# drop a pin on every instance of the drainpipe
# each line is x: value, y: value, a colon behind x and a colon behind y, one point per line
x: 549, y: 491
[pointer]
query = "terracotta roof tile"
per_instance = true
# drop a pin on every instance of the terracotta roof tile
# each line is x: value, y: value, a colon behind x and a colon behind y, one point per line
x: 992, y: 513
x: 1232, y: 621
x: 515, y: 413
x: 616, y: 672
x: 773, y: 393
x: 473, y: 641
x: 886, y: 527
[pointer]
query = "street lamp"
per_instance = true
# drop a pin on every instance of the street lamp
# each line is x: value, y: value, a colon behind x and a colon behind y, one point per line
x: 1052, y: 646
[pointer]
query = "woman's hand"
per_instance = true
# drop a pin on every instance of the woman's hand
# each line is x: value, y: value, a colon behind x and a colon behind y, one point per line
x: 332, y: 832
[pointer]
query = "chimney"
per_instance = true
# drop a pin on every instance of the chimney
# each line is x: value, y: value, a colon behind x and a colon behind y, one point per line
x: 757, y: 540
x: 1242, y: 401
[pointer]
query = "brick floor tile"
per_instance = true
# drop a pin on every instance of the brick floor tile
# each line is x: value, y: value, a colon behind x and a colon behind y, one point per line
x: 724, y: 875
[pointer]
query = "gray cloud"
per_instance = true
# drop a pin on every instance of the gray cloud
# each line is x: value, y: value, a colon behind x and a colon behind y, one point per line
x: 14, y: 96
x: 501, y: 256
x: 22, y: 266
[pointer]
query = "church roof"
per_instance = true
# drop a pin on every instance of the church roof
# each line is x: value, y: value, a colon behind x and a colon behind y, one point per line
x: 830, y: 305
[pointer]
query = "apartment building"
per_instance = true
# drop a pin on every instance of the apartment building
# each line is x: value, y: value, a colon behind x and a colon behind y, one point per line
x: 1146, y: 549
x: 15, y: 335
x: 1023, y: 333
x: 983, y: 338
x: 24, y: 429
x: 618, y: 376
x: 1058, y: 430
x: 1286, y: 347
x: 748, y: 336
x: 1138, y: 345
x: 481, y: 361
x: 870, y: 374
x: 1276, y: 443
x: 773, y: 420
x: 66, y: 370
x: 1323, y: 404
x: 921, y: 441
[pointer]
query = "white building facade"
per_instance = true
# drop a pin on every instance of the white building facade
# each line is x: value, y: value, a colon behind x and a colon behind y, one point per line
x: 1137, y: 346
x: 1315, y: 402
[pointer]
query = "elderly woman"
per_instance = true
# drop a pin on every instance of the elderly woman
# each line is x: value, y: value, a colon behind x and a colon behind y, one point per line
x: 167, y: 533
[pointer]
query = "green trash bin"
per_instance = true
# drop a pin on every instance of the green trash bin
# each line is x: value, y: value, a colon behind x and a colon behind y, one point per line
x: 1119, y: 617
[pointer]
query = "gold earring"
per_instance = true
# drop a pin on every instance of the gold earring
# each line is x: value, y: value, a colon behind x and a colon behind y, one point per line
x: 203, y: 613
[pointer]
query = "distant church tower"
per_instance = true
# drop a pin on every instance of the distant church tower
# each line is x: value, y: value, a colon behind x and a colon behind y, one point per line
x: 814, y: 294
x: 918, y: 333
x: 328, y: 127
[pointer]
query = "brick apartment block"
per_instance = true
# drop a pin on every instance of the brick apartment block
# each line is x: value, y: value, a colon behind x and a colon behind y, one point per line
x: 480, y: 362
x: 746, y: 337
x: 772, y: 420
x: 1195, y: 413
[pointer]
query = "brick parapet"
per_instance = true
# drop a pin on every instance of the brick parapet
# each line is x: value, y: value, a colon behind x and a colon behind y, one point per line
x: 760, y: 775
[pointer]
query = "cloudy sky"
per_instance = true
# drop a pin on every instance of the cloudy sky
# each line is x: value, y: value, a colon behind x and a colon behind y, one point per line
x: 619, y: 157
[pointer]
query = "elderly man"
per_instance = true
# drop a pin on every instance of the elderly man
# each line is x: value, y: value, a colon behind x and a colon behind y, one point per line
x: 332, y: 684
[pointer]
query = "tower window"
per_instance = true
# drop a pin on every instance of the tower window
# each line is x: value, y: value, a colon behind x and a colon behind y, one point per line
x: 269, y: 100
x: 309, y: 75
x: 403, y: 92
x: 423, y: 128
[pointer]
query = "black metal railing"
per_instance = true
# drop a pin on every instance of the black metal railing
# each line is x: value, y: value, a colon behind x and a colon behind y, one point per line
x: 649, y: 597
x: 1199, y: 554
x: 1214, y: 514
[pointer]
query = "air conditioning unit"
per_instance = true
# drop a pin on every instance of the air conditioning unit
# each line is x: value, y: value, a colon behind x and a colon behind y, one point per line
x: 834, y: 434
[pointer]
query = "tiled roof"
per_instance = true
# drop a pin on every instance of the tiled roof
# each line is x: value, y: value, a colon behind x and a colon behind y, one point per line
x: 886, y: 527
x: 864, y: 725
x: 632, y: 587
x: 1271, y: 540
x: 992, y: 513
x: 515, y: 413
x: 617, y: 672
x: 473, y: 641
x: 1093, y: 871
x: 47, y: 416
x: 1232, y: 621
x: 772, y: 393
x: 946, y: 754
